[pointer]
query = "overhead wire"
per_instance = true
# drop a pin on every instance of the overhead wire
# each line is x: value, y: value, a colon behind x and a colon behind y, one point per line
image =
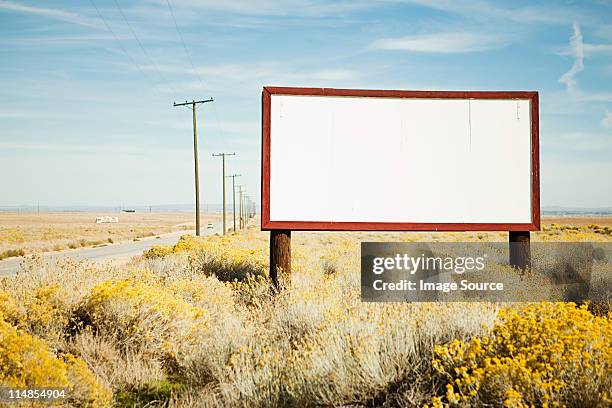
x: 196, y: 72
x: 123, y: 49
x: 144, y: 51
x: 187, y: 52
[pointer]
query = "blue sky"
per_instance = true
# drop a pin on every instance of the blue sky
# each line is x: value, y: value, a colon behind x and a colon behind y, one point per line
x: 86, y: 114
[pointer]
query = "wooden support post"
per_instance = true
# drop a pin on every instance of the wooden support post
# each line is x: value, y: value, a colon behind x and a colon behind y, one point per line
x: 520, y: 249
x: 280, y: 254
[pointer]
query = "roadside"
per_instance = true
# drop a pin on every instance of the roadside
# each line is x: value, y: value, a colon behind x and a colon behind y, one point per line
x: 23, y: 234
x: 118, y: 253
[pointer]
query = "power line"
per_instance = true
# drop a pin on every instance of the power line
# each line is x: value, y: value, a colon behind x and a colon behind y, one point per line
x: 196, y: 72
x: 123, y: 49
x: 178, y: 30
x: 144, y: 51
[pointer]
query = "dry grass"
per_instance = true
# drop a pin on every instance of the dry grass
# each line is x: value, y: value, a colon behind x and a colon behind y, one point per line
x: 176, y: 329
x: 29, y: 233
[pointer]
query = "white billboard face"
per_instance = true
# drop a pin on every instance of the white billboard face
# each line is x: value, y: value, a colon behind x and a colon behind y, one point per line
x: 353, y: 162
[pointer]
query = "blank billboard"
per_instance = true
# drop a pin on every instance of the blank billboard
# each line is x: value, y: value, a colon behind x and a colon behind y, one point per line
x: 399, y: 160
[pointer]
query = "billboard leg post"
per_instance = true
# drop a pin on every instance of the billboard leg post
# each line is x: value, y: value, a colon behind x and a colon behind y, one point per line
x: 280, y: 254
x: 520, y: 249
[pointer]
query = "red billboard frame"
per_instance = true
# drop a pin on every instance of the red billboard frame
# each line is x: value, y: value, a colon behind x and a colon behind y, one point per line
x: 268, y: 225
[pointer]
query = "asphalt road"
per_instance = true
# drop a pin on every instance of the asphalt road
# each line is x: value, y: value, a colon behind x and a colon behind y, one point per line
x: 122, y: 251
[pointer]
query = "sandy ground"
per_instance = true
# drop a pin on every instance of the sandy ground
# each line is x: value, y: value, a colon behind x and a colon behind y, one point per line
x: 601, y: 221
x: 44, y: 232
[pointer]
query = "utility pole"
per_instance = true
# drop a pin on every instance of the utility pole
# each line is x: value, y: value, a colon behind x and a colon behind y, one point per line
x: 246, y: 210
x: 192, y: 105
x: 233, y: 176
x: 240, y: 192
x: 222, y: 155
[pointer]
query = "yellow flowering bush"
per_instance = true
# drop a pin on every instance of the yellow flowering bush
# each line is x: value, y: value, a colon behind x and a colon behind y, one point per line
x: 548, y: 354
x: 186, y: 243
x: 44, y: 313
x: 190, y: 324
x: 141, y: 313
x: 215, y: 256
x: 198, y: 324
x: 158, y: 251
x: 26, y: 361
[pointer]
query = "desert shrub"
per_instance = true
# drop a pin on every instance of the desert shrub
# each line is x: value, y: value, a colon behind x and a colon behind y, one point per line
x: 191, y: 325
x: 157, y: 251
x: 553, y: 354
x: 185, y: 243
x: 117, y: 369
x: 229, y: 265
x: 42, y: 298
x: 253, y: 292
x: 12, y: 252
x: 155, y: 392
x: 140, y: 313
x: 43, y: 313
x: 316, y: 343
x: 212, y: 256
x: 27, y: 362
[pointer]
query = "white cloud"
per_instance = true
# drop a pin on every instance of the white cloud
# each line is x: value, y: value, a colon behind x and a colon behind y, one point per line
x: 577, y: 51
x: 254, y: 75
x: 606, y: 121
x: 441, y: 43
x: 588, y: 49
x: 489, y: 10
x: 105, y: 148
x: 50, y: 13
x: 591, y: 49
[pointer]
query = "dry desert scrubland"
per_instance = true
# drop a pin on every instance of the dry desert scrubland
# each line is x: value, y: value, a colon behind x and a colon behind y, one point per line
x: 30, y: 233
x: 198, y: 325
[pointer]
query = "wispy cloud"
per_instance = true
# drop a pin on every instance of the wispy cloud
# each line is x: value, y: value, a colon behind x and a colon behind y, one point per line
x: 447, y: 43
x: 588, y: 49
x: 488, y: 10
x: 577, y: 51
x: 56, y: 14
x: 102, y: 148
x: 252, y: 75
x: 307, y: 8
x: 591, y: 49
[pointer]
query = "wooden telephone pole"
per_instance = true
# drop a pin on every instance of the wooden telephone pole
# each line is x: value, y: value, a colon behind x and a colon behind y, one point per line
x: 192, y: 105
x: 240, y: 193
x: 245, y: 209
x: 222, y: 155
x: 233, y: 176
